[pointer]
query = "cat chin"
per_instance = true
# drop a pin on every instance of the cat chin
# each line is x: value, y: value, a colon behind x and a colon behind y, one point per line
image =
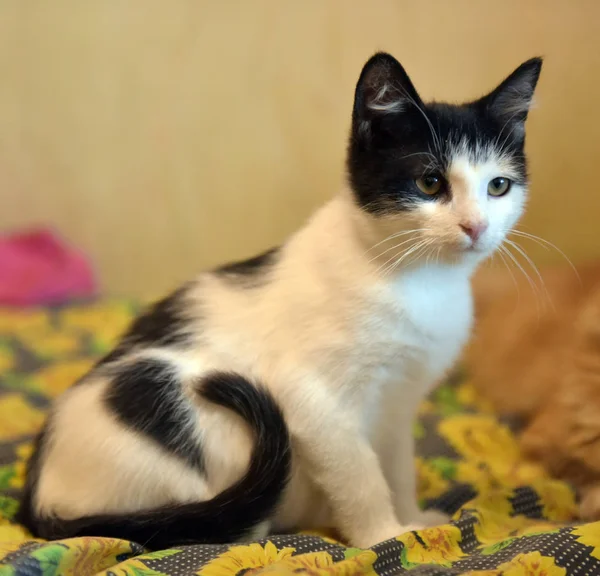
x: 469, y: 256
x: 478, y: 254
x: 483, y: 250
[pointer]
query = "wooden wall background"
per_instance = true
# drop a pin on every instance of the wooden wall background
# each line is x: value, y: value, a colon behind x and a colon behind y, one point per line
x: 167, y: 136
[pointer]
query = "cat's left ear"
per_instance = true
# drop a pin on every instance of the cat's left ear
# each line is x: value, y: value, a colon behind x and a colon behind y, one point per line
x: 383, y: 90
x: 511, y: 100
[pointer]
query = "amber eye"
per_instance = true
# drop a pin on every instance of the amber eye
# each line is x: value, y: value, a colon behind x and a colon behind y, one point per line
x: 429, y: 185
x: 499, y: 186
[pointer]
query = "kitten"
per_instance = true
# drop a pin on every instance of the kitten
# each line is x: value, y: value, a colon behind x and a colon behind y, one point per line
x: 538, y: 358
x: 279, y: 393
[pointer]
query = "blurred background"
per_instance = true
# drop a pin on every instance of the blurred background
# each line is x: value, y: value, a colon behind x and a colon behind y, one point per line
x: 161, y: 137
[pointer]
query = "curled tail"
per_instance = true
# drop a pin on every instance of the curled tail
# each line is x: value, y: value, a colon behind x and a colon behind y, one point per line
x: 230, y: 515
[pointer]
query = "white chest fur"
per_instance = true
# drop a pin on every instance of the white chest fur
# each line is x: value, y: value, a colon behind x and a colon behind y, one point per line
x: 411, y: 338
x: 417, y: 330
x: 437, y: 308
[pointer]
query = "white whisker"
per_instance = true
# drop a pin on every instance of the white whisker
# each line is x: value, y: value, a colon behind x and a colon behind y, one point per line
x: 399, y: 259
x: 532, y: 284
x: 389, y: 265
x: 429, y: 256
x: 547, y: 245
x: 395, y: 256
x: 504, y: 142
x: 436, y: 138
x: 412, y: 251
x: 522, y: 252
x: 421, y: 252
x: 514, y: 280
x: 395, y: 235
x: 394, y: 247
x: 500, y: 253
x: 418, y: 154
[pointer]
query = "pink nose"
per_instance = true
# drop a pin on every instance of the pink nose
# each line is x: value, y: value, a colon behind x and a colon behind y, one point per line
x: 474, y: 229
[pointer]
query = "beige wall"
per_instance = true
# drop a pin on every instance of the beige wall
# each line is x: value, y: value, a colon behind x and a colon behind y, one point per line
x: 166, y: 136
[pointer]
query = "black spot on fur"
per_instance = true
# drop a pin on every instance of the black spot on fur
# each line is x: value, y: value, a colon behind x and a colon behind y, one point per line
x: 146, y: 395
x: 26, y: 514
x: 163, y: 324
x: 228, y: 517
x: 396, y: 138
x: 252, y: 271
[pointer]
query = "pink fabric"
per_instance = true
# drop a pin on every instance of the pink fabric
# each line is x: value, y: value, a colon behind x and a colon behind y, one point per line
x: 37, y: 267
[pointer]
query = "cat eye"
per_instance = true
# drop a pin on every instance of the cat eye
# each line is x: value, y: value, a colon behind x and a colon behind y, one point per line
x: 429, y: 185
x: 499, y: 186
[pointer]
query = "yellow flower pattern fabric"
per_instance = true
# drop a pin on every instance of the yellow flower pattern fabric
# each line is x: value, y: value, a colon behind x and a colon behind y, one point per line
x: 508, y: 516
x: 440, y: 546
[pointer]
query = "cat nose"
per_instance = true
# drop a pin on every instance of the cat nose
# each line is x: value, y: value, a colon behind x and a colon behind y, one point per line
x: 474, y: 229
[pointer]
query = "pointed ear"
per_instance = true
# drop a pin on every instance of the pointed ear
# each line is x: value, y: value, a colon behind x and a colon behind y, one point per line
x: 510, y: 102
x: 383, y: 88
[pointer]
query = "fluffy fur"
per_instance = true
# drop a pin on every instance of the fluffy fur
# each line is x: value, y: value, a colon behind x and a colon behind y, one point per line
x: 538, y: 358
x: 321, y: 349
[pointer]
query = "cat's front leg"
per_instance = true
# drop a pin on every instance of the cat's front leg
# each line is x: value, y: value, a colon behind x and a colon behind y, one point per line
x: 395, y: 446
x: 342, y: 463
x: 403, y: 483
x: 400, y: 471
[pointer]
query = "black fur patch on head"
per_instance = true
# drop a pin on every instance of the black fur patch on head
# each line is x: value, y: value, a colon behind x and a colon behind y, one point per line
x: 396, y: 138
x: 147, y: 396
x: 164, y: 324
x: 251, y: 272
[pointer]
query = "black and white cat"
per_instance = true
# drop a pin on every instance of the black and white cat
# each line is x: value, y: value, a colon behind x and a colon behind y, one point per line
x: 279, y: 393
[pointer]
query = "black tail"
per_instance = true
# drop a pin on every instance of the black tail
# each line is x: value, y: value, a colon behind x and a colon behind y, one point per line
x: 226, y: 518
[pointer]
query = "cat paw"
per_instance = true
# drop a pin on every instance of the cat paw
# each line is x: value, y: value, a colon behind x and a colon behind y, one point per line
x: 381, y: 535
x: 430, y: 518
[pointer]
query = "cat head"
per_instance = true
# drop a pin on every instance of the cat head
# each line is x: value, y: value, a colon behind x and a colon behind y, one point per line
x: 454, y: 175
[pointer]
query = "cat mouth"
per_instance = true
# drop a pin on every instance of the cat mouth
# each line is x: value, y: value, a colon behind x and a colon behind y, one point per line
x: 474, y: 248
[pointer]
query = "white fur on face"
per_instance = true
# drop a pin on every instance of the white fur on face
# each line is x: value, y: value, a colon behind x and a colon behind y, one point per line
x: 469, y: 173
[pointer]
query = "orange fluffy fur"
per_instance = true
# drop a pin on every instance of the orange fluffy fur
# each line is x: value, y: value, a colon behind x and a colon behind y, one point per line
x: 538, y: 357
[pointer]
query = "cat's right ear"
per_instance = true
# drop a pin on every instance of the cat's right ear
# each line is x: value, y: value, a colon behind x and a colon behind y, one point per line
x: 383, y: 89
x: 510, y: 102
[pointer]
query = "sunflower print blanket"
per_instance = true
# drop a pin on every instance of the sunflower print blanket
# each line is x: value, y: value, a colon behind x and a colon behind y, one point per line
x: 508, y: 516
